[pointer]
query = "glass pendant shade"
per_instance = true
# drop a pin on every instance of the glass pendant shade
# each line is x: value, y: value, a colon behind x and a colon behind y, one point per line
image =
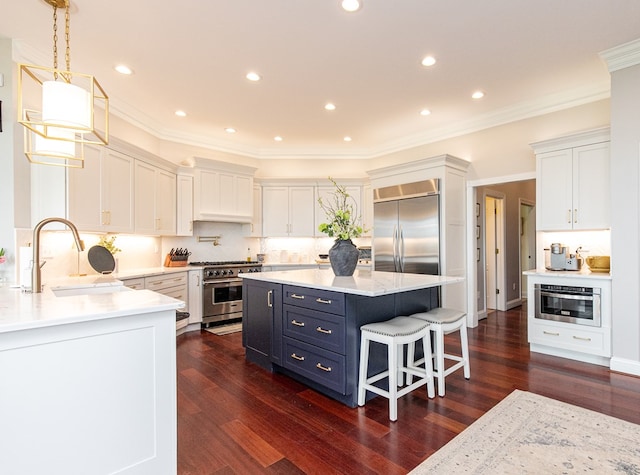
x: 65, y: 105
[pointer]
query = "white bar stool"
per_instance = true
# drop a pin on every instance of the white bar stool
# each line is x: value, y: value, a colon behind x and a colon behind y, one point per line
x: 395, y: 333
x: 443, y: 321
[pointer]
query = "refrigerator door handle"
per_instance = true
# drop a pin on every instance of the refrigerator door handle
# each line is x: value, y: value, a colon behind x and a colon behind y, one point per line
x: 401, y: 251
x: 395, y: 249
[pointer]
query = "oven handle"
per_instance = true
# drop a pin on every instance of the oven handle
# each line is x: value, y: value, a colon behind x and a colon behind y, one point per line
x: 567, y: 296
x: 219, y: 284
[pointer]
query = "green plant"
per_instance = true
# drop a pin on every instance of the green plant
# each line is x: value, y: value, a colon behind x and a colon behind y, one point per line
x: 342, y: 215
x: 1, y: 251
x: 109, y: 243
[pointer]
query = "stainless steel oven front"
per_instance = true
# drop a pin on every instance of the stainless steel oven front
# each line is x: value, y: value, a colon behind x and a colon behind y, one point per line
x: 222, y: 300
x: 570, y: 304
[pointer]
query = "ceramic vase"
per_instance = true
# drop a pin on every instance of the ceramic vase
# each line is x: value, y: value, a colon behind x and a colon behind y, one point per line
x: 343, y: 257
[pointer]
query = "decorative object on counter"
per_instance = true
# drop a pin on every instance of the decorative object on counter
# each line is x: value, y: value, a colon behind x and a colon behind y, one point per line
x: 343, y: 224
x: 260, y: 257
x: 109, y: 244
x: 2, y: 256
x: 177, y: 258
x: 599, y: 263
x: 101, y: 259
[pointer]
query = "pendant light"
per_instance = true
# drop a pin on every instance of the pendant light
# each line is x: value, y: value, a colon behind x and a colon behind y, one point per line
x: 60, y: 108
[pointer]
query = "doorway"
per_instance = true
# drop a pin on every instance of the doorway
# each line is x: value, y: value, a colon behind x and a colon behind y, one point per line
x: 494, y: 251
x: 527, y: 242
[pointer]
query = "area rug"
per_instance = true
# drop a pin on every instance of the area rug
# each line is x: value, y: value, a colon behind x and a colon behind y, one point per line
x: 530, y: 434
x: 225, y: 329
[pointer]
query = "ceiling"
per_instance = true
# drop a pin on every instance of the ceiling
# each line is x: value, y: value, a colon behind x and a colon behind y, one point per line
x: 529, y: 57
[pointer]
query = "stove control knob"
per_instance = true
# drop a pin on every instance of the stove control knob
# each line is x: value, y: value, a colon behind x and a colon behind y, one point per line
x: 230, y: 272
x: 216, y: 273
x: 224, y: 272
x: 240, y: 271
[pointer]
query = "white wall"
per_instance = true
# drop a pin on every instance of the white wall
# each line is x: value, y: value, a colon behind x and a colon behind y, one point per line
x: 625, y: 222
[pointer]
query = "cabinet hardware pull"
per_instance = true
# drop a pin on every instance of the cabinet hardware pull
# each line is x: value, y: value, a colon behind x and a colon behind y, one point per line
x: 581, y: 338
x: 319, y: 300
x: 269, y: 294
x: 296, y: 296
x: 158, y: 283
x: 550, y: 333
x: 322, y: 330
x: 324, y: 368
x: 569, y: 216
x: 575, y: 215
x: 296, y: 357
x: 297, y: 323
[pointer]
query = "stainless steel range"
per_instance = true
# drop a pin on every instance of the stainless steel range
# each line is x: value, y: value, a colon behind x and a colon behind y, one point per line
x: 222, y: 289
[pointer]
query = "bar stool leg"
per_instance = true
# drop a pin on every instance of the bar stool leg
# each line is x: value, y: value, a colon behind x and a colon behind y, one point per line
x: 464, y: 341
x: 428, y: 365
x: 393, y: 380
x: 364, y: 366
x: 439, y: 359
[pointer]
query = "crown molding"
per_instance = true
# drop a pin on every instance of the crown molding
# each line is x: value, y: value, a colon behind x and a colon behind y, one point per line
x: 622, y: 56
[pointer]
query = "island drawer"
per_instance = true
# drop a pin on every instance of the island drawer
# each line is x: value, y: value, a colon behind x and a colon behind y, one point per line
x: 315, y: 299
x: 325, y: 330
x: 322, y: 366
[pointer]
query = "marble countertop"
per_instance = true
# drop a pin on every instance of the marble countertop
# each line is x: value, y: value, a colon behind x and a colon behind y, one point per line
x: 582, y: 274
x: 149, y: 271
x: 363, y: 282
x: 24, y: 311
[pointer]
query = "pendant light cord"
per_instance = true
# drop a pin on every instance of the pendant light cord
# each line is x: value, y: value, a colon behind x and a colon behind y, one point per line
x: 67, y: 37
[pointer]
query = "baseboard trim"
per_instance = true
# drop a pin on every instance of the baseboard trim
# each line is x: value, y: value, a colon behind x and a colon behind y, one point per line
x: 622, y: 365
x: 514, y: 303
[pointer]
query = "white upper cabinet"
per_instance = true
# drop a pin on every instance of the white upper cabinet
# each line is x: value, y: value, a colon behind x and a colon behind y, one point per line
x: 184, y: 218
x: 101, y: 193
x: 256, y: 222
x: 223, y: 192
x: 288, y: 211
x: 572, y: 186
x: 155, y: 200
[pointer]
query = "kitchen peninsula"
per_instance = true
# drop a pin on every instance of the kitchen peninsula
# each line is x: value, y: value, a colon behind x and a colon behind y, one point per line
x: 306, y: 323
x: 88, y: 382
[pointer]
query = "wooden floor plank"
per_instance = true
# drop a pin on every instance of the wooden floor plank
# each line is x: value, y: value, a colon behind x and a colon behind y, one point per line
x: 236, y: 418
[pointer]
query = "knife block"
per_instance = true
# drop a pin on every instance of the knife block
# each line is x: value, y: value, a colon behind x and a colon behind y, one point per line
x: 175, y: 261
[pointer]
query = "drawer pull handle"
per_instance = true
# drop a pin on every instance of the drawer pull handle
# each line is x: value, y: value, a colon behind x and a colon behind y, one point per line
x: 581, y: 338
x: 322, y: 330
x: 296, y: 357
x: 269, y: 303
x: 550, y: 333
x: 319, y: 300
x: 324, y: 368
x: 297, y: 323
x: 296, y: 296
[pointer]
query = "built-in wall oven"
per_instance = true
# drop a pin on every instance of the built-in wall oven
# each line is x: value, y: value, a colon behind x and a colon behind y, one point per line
x: 222, y: 289
x: 564, y: 303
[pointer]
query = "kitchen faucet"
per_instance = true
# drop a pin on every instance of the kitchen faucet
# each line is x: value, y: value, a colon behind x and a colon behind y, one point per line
x: 36, y: 276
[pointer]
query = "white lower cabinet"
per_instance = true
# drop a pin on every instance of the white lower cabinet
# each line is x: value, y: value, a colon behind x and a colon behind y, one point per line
x: 569, y: 340
x: 195, y: 296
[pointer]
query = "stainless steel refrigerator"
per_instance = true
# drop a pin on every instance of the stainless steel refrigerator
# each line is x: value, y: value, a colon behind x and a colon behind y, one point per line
x: 406, y: 228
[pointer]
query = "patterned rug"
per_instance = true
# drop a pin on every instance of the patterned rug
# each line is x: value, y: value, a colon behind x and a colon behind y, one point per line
x: 530, y: 434
x: 225, y: 329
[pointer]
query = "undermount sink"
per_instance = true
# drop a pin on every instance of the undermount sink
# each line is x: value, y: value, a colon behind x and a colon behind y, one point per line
x: 89, y: 288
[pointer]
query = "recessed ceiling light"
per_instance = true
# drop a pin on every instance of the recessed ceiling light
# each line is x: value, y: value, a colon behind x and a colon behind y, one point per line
x: 124, y: 69
x: 347, y: 139
x: 253, y: 76
x: 428, y: 61
x: 425, y: 112
x: 277, y: 138
x: 230, y: 130
x: 330, y: 107
x: 477, y: 95
x: 351, y: 5
x: 180, y: 113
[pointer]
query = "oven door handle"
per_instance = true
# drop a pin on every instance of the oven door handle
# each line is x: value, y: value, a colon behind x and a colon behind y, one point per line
x: 219, y: 284
x: 567, y: 296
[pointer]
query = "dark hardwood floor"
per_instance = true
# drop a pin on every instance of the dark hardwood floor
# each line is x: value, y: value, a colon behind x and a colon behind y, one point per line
x: 234, y: 417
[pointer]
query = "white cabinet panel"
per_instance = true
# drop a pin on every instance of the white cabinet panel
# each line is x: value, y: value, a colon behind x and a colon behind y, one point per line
x: 155, y: 201
x: 288, y: 211
x: 222, y: 196
x: 184, y: 218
